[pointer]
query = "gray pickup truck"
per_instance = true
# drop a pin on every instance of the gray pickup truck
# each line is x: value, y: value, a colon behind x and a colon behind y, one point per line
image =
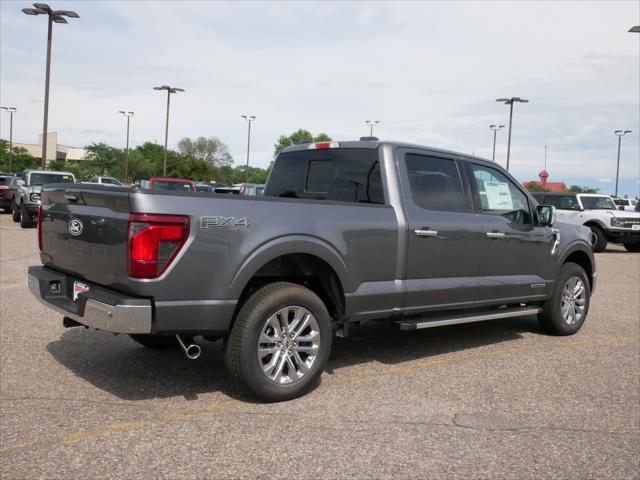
x: 345, y: 232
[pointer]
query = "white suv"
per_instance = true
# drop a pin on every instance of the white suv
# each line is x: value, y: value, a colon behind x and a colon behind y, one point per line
x: 599, y: 213
x: 626, y: 204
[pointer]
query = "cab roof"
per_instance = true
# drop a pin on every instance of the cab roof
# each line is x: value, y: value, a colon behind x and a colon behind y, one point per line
x: 374, y: 144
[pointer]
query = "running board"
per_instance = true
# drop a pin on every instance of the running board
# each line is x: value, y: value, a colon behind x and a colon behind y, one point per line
x: 443, y: 320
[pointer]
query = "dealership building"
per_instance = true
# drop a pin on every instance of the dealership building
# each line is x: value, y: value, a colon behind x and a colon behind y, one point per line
x: 55, y: 151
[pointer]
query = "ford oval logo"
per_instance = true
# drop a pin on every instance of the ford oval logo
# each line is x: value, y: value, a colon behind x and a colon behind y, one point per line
x: 75, y: 227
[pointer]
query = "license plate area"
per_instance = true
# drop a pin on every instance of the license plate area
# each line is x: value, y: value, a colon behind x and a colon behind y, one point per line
x: 79, y: 288
x: 635, y: 226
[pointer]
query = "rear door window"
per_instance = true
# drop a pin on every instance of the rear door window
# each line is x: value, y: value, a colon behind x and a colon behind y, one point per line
x: 435, y: 183
x: 562, y: 202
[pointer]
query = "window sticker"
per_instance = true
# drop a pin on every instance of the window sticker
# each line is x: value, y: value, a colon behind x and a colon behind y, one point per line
x: 498, y: 196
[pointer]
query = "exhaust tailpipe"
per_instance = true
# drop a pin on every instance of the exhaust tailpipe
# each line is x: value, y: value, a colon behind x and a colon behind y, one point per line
x: 191, y: 349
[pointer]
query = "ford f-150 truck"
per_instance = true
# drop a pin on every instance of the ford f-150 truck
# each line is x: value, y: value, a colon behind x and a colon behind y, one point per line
x: 27, y: 197
x: 346, y: 232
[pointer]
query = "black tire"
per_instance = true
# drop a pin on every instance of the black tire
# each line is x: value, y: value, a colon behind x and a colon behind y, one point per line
x: 26, y: 220
x: 241, y: 354
x: 600, y: 243
x: 632, y: 247
x: 15, y: 213
x: 551, y: 317
x: 156, y: 342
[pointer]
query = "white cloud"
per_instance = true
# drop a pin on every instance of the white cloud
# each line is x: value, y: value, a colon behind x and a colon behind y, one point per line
x: 429, y: 71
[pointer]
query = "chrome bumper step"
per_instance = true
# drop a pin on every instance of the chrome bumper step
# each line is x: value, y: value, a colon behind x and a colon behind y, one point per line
x: 443, y: 320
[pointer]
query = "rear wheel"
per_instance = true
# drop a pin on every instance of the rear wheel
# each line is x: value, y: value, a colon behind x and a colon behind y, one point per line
x: 632, y: 247
x: 26, y: 220
x: 566, y: 310
x: 280, y: 342
x: 599, y: 242
x: 15, y: 213
x: 156, y: 342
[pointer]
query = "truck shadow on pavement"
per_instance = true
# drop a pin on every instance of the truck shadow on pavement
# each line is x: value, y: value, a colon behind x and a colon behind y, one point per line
x: 121, y: 367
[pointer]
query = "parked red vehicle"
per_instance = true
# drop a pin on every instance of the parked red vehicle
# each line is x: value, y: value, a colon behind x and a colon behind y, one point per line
x: 167, y: 184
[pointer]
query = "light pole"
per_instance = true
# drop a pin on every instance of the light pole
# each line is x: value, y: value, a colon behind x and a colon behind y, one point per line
x: 11, y: 111
x: 126, y: 152
x: 169, y: 90
x: 372, y: 123
x: 620, y: 134
x: 495, y: 129
x: 56, y: 16
x: 249, y: 119
x: 510, y: 102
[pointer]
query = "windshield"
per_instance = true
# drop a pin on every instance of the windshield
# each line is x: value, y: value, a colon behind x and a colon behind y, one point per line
x: 172, y: 186
x: 46, y: 178
x: 204, y: 188
x: 597, y: 203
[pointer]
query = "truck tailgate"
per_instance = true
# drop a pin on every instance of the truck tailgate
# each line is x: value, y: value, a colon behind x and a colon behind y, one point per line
x: 84, y: 232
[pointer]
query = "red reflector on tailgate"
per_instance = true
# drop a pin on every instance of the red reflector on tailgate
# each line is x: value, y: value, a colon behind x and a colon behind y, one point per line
x: 154, y: 242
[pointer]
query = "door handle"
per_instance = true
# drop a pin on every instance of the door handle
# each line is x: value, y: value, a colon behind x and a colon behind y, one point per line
x: 426, y: 233
x: 496, y: 234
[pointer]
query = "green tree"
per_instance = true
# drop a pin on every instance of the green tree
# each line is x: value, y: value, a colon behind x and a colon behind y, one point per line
x: 22, y: 160
x: 583, y: 189
x: 103, y: 159
x: 211, y: 150
x: 534, y: 187
x: 298, y: 136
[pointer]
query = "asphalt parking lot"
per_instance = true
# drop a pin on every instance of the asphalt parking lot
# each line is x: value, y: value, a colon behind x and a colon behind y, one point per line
x: 492, y: 400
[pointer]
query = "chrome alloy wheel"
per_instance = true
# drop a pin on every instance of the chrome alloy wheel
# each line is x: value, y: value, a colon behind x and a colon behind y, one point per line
x: 288, y: 345
x: 573, y: 300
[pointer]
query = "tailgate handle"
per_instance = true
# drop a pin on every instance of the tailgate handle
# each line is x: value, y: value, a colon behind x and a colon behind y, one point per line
x: 72, y: 197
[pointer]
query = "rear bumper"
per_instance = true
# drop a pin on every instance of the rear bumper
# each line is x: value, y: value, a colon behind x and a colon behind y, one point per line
x: 113, y: 311
x: 99, y: 308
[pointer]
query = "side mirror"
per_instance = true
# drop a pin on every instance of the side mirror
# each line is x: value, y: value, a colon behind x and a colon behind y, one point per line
x: 20, y: 183
x: 546, y: 215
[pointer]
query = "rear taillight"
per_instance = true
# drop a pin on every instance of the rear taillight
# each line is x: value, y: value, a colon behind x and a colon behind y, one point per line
x: 40, y: 227
x: 154, y: 241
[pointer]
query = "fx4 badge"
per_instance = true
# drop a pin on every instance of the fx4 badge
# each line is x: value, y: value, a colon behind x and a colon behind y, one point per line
x: 223, y: 222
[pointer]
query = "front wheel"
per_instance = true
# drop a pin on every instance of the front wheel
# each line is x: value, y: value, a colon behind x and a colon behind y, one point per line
x: 632, y: 247
x: 565, y: 312
x: 599, y: 242
x: 26, y: 220
x: 280, y: 342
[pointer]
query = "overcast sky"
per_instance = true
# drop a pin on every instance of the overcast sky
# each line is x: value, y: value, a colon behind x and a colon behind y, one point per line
x: 430, y: 72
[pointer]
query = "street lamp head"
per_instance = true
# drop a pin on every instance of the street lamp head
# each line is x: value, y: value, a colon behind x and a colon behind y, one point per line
x: 176, y: 90
x: 67, y: 13
x: 42, y: 7
x: 126, y: 114
x: 9, y: 109
x: 627, y: 131
x: 622, y: 133
x: 31, y: 11
x: 59, y: 19
x: 509, y: 101
x: 635, y: 29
